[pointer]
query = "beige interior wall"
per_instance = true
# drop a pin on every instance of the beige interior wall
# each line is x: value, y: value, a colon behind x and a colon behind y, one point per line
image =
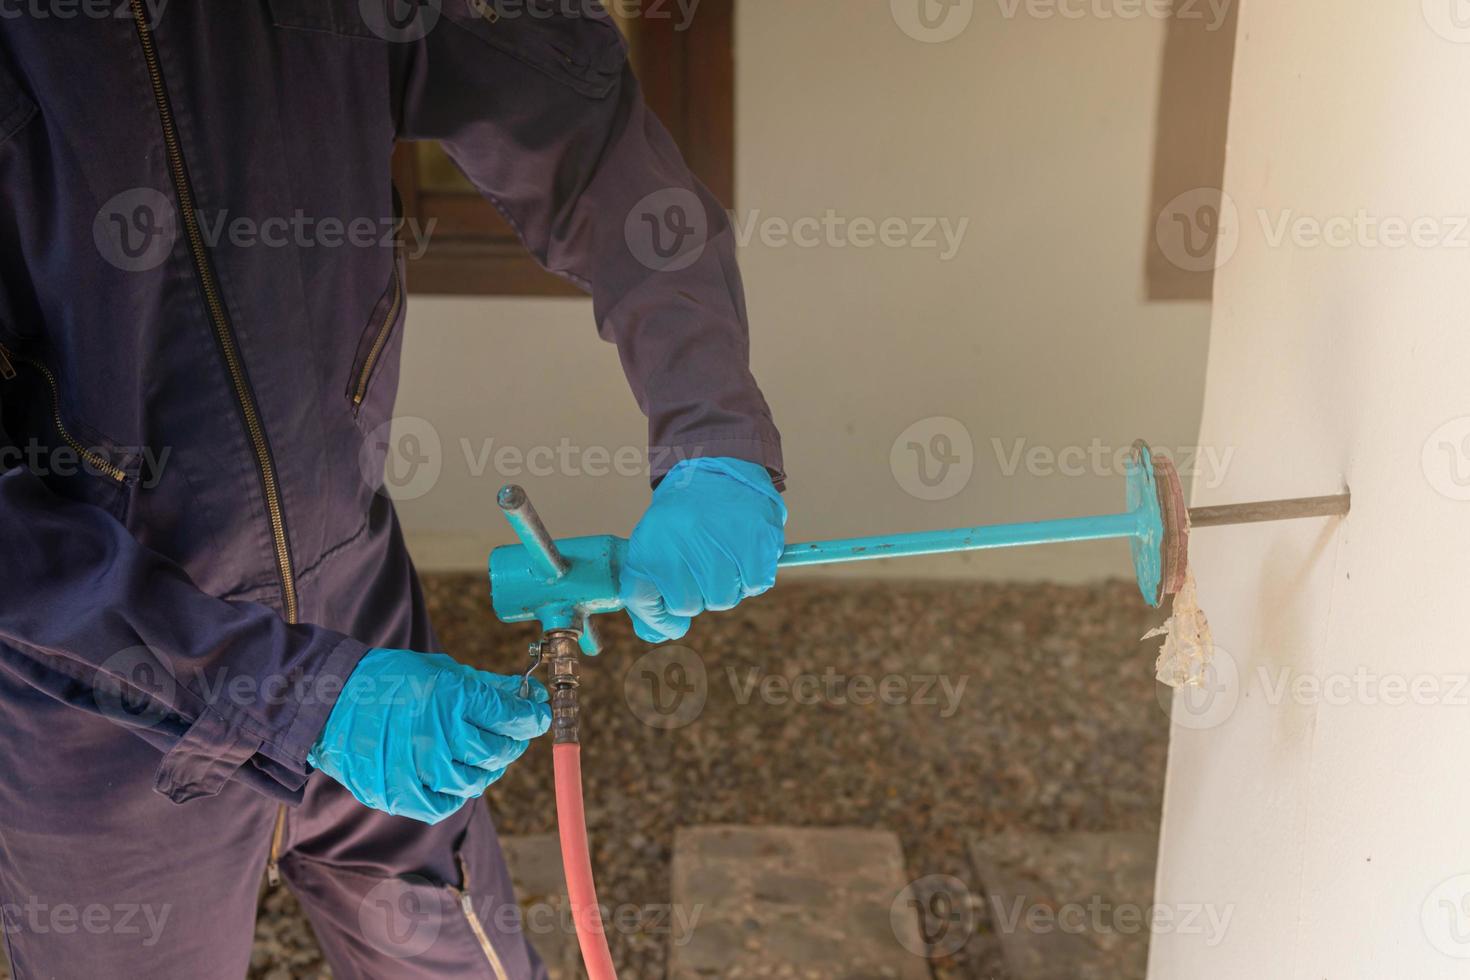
x: 1317, y: 787
x: 1031, y: 130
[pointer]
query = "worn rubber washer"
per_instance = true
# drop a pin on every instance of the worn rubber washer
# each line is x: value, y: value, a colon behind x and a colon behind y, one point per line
x: 1174, y: 549
x: 1160, y: 540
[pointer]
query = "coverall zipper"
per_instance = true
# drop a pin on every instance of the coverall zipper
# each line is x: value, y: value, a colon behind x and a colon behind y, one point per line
x: 467, y: 907
x: 380, y: 341
x: 228, y: 347
x: 96, y: 461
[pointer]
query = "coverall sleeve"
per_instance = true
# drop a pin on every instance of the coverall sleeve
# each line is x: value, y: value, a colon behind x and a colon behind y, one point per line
x: 223, y: 689
x: 542, y: 113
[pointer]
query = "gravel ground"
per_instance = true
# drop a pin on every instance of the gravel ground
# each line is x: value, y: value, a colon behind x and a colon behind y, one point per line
x: 1057, y: 727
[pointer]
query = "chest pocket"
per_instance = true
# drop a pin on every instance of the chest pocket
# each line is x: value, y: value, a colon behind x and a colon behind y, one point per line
x: 574, y: 42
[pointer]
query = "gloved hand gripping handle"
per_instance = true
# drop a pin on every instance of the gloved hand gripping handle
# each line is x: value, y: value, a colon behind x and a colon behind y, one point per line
x: 565, y: 584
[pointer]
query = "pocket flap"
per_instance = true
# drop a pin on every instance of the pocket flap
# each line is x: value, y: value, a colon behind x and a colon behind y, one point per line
x: 573, y: 41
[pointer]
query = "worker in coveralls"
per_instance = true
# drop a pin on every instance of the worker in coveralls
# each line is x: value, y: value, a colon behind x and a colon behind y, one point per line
x: 214, y: 655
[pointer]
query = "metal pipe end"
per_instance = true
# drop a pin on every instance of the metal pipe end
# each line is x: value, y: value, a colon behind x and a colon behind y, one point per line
x: 511, y: 497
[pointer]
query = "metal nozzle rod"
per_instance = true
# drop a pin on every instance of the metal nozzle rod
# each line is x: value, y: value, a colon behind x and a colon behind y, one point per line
x: 533, y: 534
x: 1270, y: 510
x: 1046, y: 532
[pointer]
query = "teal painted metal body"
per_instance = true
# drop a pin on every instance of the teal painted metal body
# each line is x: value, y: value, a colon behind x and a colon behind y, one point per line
x: 522, y: 592
x: 525, y: 584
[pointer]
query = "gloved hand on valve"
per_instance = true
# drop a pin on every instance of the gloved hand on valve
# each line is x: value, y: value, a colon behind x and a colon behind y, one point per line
x: 710, y: 538
x: 420, y: 735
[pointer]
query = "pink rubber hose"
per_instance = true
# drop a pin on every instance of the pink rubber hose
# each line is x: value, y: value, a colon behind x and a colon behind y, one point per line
x: 571, y: 825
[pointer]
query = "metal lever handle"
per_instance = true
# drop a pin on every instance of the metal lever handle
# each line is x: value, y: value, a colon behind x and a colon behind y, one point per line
x: 533, y: 534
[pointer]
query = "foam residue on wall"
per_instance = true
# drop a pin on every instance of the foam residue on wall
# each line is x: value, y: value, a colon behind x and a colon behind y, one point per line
x: 1184, y: 659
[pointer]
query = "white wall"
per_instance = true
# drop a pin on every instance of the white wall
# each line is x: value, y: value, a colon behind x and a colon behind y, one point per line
x: 1330, y: 824
x: 1037, y: 131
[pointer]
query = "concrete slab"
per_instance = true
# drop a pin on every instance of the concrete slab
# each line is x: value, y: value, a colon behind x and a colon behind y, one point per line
x: 1069, y: 906
x: 816, y: 904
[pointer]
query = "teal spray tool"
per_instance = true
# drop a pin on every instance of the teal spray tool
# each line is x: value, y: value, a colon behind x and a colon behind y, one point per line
x: 564, y: 584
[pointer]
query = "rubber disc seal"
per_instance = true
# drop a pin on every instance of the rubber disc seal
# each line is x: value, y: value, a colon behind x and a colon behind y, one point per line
x: 1174, y: 550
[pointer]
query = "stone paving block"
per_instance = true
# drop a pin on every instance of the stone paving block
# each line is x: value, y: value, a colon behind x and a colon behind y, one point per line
x: 1069, y: 906
x: 815, y: 904
x: 535, y: 867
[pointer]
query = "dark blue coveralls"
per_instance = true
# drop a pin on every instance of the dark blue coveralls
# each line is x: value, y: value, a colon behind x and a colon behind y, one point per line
x: 191, y: 560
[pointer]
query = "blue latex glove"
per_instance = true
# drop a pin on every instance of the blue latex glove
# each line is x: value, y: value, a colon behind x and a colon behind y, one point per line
x: 420, y: 735
x: 710, y: 538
